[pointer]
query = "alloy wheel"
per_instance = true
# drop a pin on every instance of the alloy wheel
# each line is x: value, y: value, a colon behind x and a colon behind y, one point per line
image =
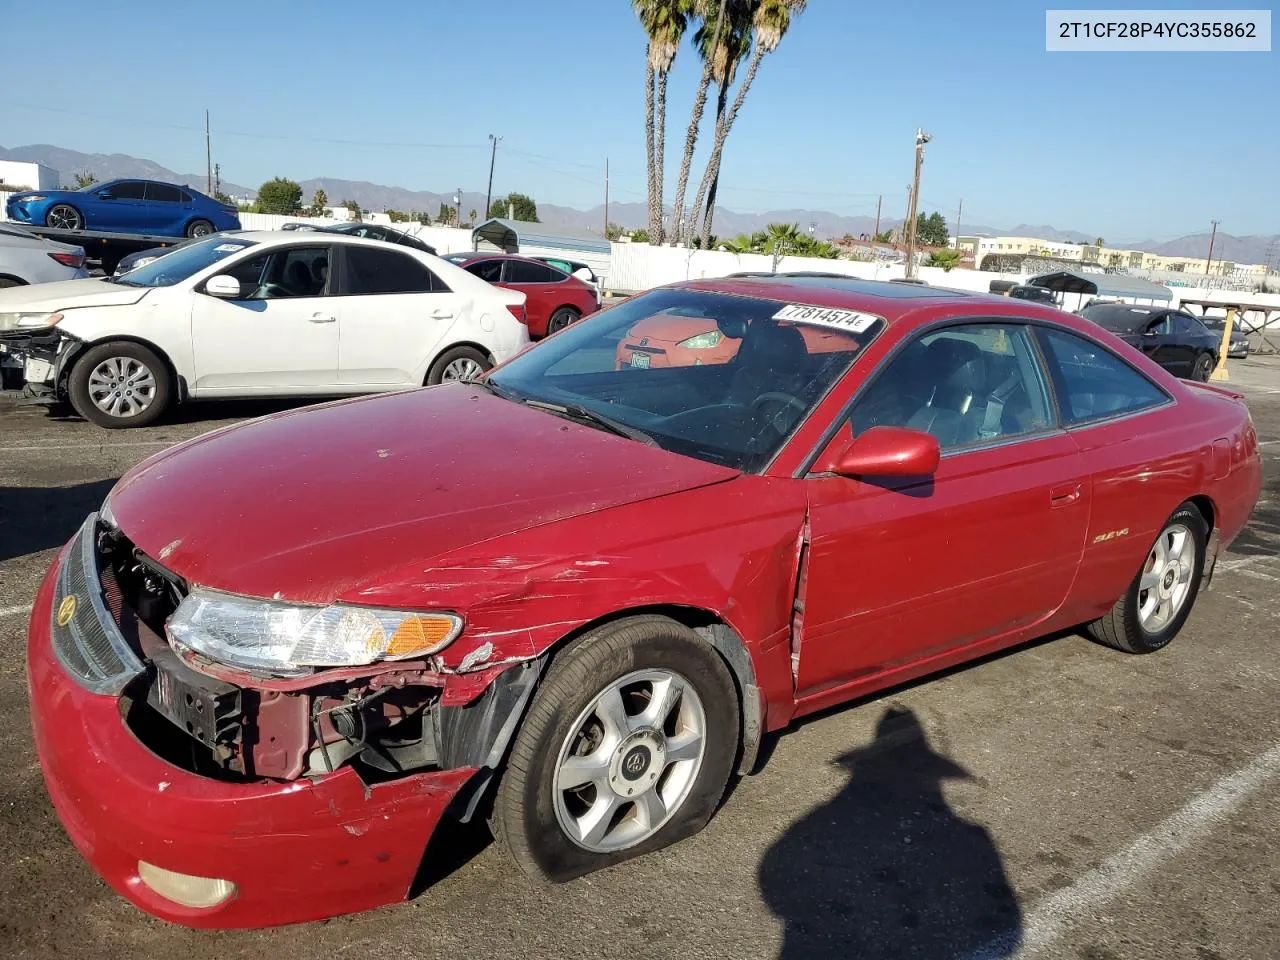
x: 1166, y: 578
x: 122, y: 387
x: 629, y: 760
x: 464, y: 368
x: 63, y: 217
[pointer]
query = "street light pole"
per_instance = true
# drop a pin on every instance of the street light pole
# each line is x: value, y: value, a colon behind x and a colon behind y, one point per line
x: 493, y: 156
x: 921, y: 139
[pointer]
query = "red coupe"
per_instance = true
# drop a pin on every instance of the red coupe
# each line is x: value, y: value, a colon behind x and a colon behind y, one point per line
x: 285, y: 653
x: 554, y: 299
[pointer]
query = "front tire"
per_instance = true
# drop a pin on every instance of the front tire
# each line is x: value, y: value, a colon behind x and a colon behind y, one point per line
x: 458, y: 364
x: 626, y: 749
x: 120, y: 384
x: 1203, y: 367
x: 199, y: 228
x: 63, y: 216
x: 1158, y: 602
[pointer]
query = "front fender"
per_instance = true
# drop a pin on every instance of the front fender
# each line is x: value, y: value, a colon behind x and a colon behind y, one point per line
x: 729, y: 551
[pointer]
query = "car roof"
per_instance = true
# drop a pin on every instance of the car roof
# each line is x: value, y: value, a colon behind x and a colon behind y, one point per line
x: 468, y: 256
x: 305, y: 237
x: 892, y: 301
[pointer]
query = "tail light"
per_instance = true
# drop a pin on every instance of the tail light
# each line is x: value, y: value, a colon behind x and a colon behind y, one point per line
x: 517, y: 311
x: 75, y: 260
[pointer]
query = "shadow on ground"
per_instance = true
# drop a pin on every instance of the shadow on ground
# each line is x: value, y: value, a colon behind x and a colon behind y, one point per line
x: 886, y: 869
x: 42, y: 518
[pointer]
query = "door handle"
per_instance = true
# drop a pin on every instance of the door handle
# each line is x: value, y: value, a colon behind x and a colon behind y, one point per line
x: 441, y: 314
x: 1063, y: 495
x: 321, y: 318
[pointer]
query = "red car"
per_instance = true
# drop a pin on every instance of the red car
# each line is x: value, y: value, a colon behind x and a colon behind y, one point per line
x: 554, y: 298
x: 581, y: 595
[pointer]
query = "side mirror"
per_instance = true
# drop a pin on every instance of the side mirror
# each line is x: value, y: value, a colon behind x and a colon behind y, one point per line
x: 888, y: 452
x: 106, y: 195
x: 223, y: 286
x: 1150, y: 332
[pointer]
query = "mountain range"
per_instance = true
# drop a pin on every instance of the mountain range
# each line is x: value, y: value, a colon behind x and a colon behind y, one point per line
x: 1258, y: 248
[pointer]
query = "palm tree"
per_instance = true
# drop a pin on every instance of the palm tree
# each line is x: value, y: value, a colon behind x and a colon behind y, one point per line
x: 735, y: 39
x: 769, y: 21
x: 664, y: 23
x: 712, y: 12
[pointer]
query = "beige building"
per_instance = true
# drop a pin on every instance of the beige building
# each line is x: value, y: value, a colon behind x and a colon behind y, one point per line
x: 1102, y: 256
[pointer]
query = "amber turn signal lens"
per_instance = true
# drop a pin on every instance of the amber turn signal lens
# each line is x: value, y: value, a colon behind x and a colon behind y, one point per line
x: 419, y: 635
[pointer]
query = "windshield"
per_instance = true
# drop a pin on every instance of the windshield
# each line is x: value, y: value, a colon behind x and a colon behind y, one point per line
x: 722, y: 378
x: 183, y: 262
x: 1118, y: 317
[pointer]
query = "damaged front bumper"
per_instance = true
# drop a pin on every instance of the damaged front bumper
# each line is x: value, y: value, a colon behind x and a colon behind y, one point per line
x: 296, y: 849
x: 40, y: 359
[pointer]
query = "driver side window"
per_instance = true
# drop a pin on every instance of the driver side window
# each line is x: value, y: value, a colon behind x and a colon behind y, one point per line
x: 294, y: 272
x: 966, y: 385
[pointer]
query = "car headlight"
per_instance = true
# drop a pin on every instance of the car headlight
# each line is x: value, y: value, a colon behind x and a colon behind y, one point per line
x: 34, y: 198
x: 290, y: 638
x: 703, y: 341
x: 140, y: 262
x: 28, y: 321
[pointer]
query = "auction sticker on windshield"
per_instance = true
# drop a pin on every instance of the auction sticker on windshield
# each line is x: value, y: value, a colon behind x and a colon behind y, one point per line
x: 229, y: 247
x: 850, y: 320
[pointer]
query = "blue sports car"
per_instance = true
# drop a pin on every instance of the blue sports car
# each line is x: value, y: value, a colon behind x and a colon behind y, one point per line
x: 125, y: 206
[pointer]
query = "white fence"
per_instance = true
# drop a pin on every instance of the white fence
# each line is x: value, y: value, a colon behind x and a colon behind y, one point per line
x: 639, y: 266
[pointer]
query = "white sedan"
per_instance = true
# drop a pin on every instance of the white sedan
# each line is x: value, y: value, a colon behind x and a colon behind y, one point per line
x: 258, y: 315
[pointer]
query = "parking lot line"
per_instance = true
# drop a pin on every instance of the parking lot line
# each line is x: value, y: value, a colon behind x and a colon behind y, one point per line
x: 85, y: 446
x: 1053, y: 915
x: 14, y: 611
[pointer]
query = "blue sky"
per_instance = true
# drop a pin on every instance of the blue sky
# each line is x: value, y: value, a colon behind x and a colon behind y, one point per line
x: 1130, y: 146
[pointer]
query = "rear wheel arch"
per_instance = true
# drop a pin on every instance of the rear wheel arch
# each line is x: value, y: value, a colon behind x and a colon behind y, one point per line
x: 470, y: 344
x: 1207, y: 510
x: 9, y: 280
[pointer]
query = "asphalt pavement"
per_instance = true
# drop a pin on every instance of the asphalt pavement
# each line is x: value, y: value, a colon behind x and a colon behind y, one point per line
x: 1061, y: 800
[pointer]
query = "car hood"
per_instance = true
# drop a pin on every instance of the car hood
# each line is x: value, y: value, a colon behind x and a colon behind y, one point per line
x: 316, y: 505
x: 68, y: 295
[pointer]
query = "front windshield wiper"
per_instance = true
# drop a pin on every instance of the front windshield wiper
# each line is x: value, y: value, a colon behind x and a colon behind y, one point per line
x: 577, y: 411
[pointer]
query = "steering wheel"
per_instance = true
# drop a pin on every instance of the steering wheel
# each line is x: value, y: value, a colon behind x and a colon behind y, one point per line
x: 784, y: 399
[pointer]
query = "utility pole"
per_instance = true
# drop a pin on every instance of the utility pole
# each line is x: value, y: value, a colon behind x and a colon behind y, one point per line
x: 1212, y: 237
x: 493, y: 156
x: 457, y: 213
x: 217, y: 179
x: 879, y: 200
x: 959, y: 210
x: 921, y: 139
x: 208, y: 158
x: 606, y: 198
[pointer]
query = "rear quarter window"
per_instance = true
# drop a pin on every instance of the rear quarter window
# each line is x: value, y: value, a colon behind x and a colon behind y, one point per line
x: 1093, y: 383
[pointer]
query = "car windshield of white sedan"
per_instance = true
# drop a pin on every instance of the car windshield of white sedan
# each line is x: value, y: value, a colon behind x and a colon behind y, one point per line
x: 720, y: 377
x: 186, y: 261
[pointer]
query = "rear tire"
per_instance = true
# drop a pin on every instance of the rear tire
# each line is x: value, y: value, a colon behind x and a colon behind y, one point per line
x: 10, y: 282
x: 640, y: 719
x: 561, y: 319
x: 458, y: 364
x: 1203, y: 367
x: 120, y: 384
x: 199, y: 228
x: 63, y: 216
x: 1159, y: 600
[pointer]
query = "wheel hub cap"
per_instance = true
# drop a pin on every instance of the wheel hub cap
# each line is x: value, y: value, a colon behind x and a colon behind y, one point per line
x: 637, y: 762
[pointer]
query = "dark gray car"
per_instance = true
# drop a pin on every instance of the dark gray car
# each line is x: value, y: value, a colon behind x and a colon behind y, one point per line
x: 1177, y: 341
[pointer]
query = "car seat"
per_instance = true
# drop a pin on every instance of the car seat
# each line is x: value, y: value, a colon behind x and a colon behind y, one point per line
x: 954, y: 375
